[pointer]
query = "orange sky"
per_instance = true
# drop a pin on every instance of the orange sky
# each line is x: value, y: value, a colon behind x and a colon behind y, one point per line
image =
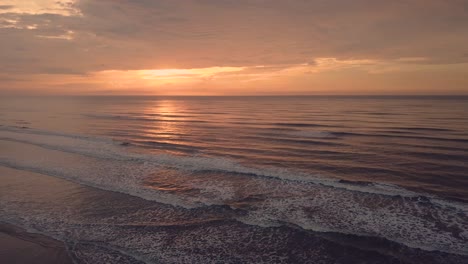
x: 245, y: 47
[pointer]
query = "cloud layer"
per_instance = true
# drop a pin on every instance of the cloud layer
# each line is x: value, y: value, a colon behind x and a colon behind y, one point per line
x: 75, y: 41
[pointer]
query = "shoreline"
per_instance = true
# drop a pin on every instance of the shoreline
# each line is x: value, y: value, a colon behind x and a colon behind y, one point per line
x: 21, y: 247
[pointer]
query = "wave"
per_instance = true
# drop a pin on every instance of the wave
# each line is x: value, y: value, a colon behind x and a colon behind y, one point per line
x: 149, y: 118
x: 109, y: 149
x: 292, y: 140
x: 299, y: 125
x: 444, y: 139
x: 313, y: 134
x: 430, y: 129
x: 164, y: 145
x: 105, y: 148
x: 414, y: 222
x: 270, y: 195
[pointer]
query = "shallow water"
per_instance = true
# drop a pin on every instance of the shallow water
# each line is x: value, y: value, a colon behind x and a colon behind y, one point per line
x: 240, y: 179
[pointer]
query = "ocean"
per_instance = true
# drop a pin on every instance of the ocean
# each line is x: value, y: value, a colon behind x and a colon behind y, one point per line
x: 311, y: 179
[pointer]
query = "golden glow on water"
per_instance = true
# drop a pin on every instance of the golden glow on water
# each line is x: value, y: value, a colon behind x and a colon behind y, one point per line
x: 168, y: 122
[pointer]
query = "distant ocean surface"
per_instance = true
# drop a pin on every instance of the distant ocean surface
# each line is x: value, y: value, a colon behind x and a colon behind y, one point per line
x: 239, y: 179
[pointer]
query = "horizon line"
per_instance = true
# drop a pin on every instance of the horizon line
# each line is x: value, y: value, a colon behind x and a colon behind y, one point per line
x: 260, y: 95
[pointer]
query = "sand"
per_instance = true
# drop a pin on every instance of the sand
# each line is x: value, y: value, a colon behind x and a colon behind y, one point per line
x: 19, y: 247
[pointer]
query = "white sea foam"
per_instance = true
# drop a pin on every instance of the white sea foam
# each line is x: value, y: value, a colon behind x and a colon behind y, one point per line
x: 107, y: 149
x: 104, y: 148
x: 309, y: 201
x: 417, y: 225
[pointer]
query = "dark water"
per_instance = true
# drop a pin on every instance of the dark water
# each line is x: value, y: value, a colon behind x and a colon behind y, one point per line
x: 240, y: 179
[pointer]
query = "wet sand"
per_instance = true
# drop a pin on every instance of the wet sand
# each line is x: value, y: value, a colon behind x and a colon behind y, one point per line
x: 19, y: 247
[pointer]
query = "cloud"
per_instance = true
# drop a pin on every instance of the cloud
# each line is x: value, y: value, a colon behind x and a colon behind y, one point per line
x: 5, y: 7
x: 61, y: 70
x: 39, y: 7
x: 88, y: 36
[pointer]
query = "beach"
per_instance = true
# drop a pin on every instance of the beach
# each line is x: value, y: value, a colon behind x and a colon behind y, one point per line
x: 20, y: 247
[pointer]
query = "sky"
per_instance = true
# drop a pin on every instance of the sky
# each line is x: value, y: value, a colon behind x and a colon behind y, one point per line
x: 234, y: 47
